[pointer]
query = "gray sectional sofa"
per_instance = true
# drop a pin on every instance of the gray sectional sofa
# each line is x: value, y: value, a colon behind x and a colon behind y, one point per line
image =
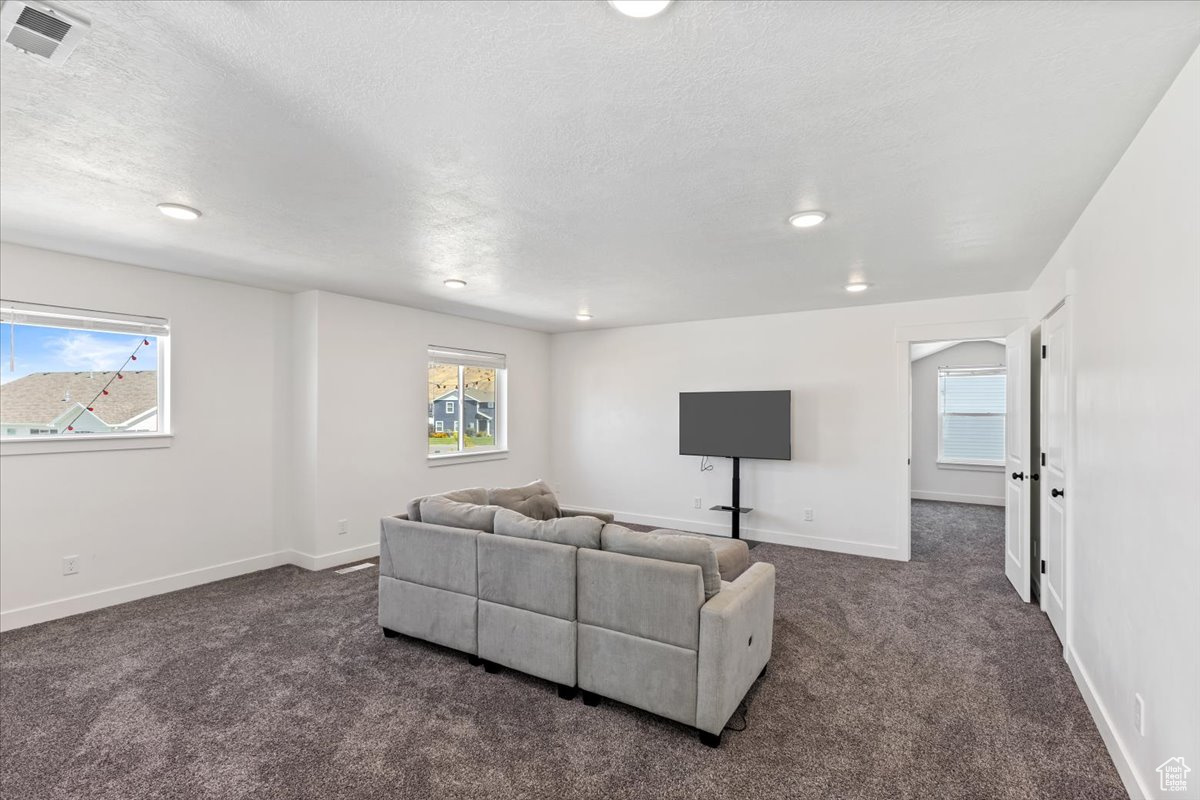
x: 676, y: 624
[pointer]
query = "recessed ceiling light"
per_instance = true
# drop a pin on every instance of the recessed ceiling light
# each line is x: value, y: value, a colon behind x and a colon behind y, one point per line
x: 807, y: 219
x: 176, y: 211
x: 640, y: 9
x: 857, y: 286
x: 583, y: 316
x: 454, y: 283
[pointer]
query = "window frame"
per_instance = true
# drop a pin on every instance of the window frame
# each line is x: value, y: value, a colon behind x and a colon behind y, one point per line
x: 449, y: 406
x: 465, y: 359
x: 968, y: 463
x: 104, y: 322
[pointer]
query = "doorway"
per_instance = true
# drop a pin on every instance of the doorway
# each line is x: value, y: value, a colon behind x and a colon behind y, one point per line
x: 1037, y: 429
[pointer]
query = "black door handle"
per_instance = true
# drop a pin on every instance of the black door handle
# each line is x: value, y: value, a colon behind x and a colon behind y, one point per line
x: 1057, y: 493
x: 1035, y: 476
x: 1018, y: 476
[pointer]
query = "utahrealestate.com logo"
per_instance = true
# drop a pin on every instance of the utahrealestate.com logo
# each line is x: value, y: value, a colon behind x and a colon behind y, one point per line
x: 1172, y: 775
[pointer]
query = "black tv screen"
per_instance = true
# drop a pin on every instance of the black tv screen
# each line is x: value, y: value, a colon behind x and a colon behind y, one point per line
x: 736, y: 424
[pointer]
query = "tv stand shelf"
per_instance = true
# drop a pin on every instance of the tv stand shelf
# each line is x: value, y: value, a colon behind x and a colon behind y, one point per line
x: 741, y: 510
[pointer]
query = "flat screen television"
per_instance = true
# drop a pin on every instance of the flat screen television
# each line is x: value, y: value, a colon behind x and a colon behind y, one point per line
x: 736, y: 424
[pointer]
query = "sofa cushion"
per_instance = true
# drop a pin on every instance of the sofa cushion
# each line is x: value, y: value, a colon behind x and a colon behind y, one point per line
x: 575, y: 531
x: 666, y: 546
x: 534, y: 500
x: 477, y: 496
x: 442, y: 511
x: 733, y: 555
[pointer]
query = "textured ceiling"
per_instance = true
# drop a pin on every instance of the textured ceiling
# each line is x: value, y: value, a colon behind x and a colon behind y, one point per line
x: 559, y: 156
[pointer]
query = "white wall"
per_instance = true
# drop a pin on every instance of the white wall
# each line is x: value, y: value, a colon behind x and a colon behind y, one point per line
x: 616, y: 406
x: 275, y: 405
x: 369, y: 415
x: 953, y: 483
x: 205, y: 503
x: 1132, y: 267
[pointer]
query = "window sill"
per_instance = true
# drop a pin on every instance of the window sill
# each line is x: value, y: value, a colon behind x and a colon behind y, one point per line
x: 968, y: 465
x: 85, y: 444
x: 445, y: 459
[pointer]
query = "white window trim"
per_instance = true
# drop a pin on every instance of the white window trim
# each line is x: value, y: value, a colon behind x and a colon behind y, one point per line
x: 87, y: 319
x: 445, y: 459
x: 85, y: 443
x: 450, y: 406
x: 439, y: 427
x: 966, y: 463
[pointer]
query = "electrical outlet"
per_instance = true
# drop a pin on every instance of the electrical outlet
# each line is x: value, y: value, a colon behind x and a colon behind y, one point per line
x: 808, y: 515
x: 1139, y: 714
x: 696, y: 502
x: 70, y: 565
x: 343, y: 527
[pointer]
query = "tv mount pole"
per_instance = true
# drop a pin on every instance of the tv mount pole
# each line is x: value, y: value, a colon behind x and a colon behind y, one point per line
x: 735, y: 509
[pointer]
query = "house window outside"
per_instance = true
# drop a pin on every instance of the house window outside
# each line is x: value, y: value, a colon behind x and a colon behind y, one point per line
x: 971, y: 416
x: 465, y: 390
x: 74, y: 372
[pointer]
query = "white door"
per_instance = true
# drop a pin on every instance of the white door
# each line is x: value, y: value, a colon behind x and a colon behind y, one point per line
x: 1053, y: 483
x: 1018, y: 469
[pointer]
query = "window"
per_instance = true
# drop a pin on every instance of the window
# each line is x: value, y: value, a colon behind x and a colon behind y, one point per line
x: 71, y: 372
x: 971, y: 407
x: 466, y: 390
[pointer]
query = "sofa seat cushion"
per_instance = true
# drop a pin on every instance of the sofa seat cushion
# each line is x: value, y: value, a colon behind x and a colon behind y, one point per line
x: 442, y: 511
x: 666, y: 546
x: 575, y: 531
x: 535, y: 500
x: 477, y: 496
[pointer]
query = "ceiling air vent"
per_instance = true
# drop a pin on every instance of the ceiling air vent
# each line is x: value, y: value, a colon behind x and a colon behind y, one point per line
x: 40, y: 30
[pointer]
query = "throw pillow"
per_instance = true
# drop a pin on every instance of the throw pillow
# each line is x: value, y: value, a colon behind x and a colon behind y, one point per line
x: 666, y: 546
x: 441, y: 511
x: 575, y: 531
x: 476, y: 496
x: 535, y: 500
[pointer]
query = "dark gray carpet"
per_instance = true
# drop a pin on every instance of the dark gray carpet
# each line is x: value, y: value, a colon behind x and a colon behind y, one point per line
x: 889, y: 680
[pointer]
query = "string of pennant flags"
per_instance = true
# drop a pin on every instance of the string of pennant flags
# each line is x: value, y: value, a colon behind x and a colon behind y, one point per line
x: 117, y: 376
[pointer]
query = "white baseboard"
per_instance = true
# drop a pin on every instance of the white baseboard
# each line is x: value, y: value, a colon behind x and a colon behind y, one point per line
x: 759, y: 535
x: 335, y: 559
x: 949, y: 497
x: 1112, y: 740
x: 91, y: 601
x: 102, y: 598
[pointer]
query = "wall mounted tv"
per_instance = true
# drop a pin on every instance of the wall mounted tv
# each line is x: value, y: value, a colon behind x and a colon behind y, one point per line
x: 736, y: 424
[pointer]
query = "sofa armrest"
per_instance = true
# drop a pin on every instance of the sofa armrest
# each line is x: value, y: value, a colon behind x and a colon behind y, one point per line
x: 604, y: 516
x: 736, y: 627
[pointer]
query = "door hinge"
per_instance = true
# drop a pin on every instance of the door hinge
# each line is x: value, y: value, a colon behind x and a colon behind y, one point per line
x: 1043, y: 351
x: 1043, y: 566
x: 1043, y: 459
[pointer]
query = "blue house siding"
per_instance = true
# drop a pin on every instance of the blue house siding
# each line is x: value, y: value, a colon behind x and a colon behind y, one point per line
x: 478, y: 418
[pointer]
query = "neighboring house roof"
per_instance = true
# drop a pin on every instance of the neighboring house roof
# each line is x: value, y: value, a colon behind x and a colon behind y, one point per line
x: 473, y: 394
x: 42, y: 397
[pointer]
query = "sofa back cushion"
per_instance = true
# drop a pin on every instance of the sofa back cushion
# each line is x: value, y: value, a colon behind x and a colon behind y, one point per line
x: 534, y: 500
x: 575, y: 531
x: 477, y: 496
x: 646, y: 597
x: 429, y: 555
x: 442, y: 511
x: 527, y: 574
x: 666, y: 546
